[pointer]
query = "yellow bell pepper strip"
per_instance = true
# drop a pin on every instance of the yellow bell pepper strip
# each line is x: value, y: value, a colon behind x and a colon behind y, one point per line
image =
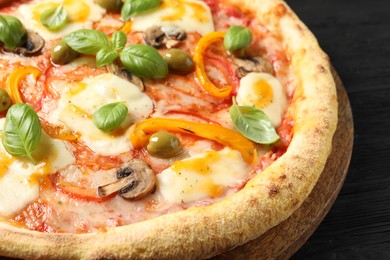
x: 141, y: 132
x: 60, y: 132
x: 200, y: 72
x: 127, y: 26
x: 13, y: 81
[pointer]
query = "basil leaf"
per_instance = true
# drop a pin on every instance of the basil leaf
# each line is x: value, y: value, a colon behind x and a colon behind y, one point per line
x: 22, y: 131
x: 237, y: 37
x: 119, y: 40
x: 87, y: 41
x: 135, y: 7
x: 110, y: 116
x: 105, y: 56
x: 11, y: 32
x: 144, y: 61
x: 253, y: 123
x: 54, y: 18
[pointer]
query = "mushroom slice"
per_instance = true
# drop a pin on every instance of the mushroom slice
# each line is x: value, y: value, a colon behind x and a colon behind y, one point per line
x: 169, y: 36
x: 135, y: 180
x: 33, y: 45
x: 154, y: 36
x: 125, y: 74
x: 252, y: 64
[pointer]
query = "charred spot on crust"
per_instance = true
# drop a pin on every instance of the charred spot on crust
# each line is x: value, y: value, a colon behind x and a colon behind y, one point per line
x: 280, y: 10
x: 321, y: 69
x: 273, y: 191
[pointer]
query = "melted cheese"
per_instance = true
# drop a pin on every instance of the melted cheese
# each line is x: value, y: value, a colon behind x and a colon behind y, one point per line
x: 19, y: 178
x: 265, y: 92
x: 80, y: 100
x: 202, y: 176
x: 190, y: 15
x: 81, y: 14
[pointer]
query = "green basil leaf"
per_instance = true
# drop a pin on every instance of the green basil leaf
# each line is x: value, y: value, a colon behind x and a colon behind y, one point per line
x: 237, y: 37
x: 253, y: 123
x: 144, y: 61
x: 11, y: 32
x: 105, y: 56
x: 110, y: 116
x: 54, y: 18
x: 119, y: 40
x: 22, y: 131
x: 87, y: 41
x: 135, y: 7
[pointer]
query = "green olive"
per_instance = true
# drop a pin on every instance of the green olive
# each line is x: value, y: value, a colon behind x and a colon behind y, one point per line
x: 5, y: 101
x: 110, y: 5
x: 62, y: 54
x: 164, y: 145
x: 179, y: 61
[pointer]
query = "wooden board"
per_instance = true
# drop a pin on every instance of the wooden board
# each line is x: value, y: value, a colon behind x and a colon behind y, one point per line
x: 282, y: 241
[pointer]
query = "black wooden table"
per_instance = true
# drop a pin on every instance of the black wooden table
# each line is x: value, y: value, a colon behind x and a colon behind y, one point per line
x: 356, y: 35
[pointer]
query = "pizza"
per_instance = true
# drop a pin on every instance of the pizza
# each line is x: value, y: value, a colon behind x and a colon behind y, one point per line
x: 156, y: 129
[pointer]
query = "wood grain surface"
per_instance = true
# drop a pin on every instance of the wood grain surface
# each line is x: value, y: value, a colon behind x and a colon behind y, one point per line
x: 356, y: 36
x: 285, y: 239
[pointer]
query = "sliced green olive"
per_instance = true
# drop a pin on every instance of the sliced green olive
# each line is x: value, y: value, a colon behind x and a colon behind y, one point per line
x: 179, y: 61
x: 62, y: 54
x: 164, y: 145
x: 110, y: 5
x: 5, y: 101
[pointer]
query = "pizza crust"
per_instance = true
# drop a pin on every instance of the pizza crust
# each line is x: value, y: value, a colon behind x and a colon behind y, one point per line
x: 267, y: 199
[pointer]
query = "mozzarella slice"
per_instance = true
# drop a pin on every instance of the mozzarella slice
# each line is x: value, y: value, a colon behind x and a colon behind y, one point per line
x: 19, y: 183
x: 80, y: 100
x: 81, y: 14
x: 265, y: 92
x: 202, y: 176
x: 190, y: 15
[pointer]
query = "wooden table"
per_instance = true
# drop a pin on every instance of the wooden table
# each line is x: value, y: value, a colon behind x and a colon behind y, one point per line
x: 356, y: 35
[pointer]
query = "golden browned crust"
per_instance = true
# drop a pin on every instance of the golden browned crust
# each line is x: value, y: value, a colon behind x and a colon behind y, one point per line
x: 266, y: 200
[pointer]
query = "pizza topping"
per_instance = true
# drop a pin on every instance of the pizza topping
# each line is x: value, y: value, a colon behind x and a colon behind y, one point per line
x: 119, y: 40
x: 12, y: 32
x: 144, y: 61
x: 33, y: 45
x: 110, y: 116
x: 80, y: 13
x: 164, y: 36
x: 125, y: 74
x: 179, y: 62
x: 253, y: 124
x: 114, y: 6
x: 5, y: 101
x: 79, y: 100
x: 135, y: 7
x: 252, y: 64
x: 204, y: 81
x: 54, y: 18
x: 62, y: 54
x: 269, y: 95
x: 191, y: 15
x: 164, y: 145
x: 19, y: 177
x: 135, y: 180
x: 22, y: 131
x: 205, y: 175
x: 237, y: 37
x: 14, y: 81
x: 141, y: 132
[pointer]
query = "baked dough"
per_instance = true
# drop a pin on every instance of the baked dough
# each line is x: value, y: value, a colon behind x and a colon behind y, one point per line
x: 265, y: 201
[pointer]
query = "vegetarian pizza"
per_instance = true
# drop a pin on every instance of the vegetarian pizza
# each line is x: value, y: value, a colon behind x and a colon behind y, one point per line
x: 156, y: 128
